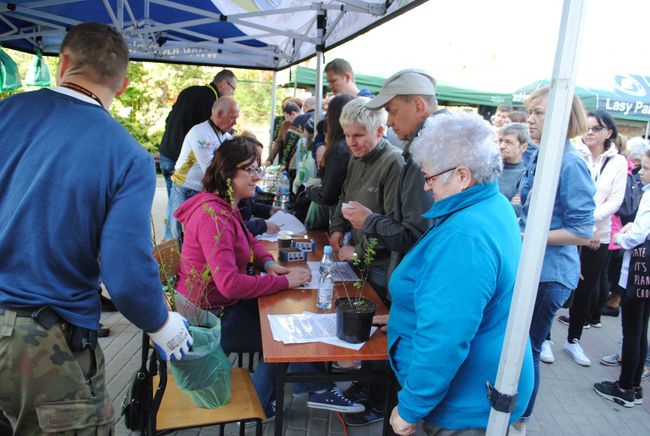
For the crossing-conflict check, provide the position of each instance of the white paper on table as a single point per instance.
(286, 222)
(339, 343)
(343, 272)
(309, 327)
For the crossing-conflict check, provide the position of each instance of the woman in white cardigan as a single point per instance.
(627, 389)
(609, 171)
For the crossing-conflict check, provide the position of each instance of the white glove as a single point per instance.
(172, 339)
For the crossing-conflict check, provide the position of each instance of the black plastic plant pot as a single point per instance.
(354, 319)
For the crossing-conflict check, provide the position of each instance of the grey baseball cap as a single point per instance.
(406, 82)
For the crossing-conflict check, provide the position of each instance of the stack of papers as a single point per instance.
(309, 327)
(286, 222)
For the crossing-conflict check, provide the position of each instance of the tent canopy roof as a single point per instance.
(306, 77)
(261, 34)
(625, 96)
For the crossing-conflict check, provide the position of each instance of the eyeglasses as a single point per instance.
(252, 170)
(231, 86)
(596, 129)
(430, 179)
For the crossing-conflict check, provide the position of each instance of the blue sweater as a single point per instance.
(75, 201)
(573, 211)
(451, 298)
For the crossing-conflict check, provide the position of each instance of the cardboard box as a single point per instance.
(306, 245)
(292, 255)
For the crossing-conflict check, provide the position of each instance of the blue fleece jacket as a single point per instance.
(75, 201)
(451, 297)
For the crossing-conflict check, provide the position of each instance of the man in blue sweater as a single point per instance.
(75, 198)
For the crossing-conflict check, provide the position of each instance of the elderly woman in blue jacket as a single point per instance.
(452, 292)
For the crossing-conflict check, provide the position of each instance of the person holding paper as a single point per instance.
(452, 291)
(220, 262)
(371, 180)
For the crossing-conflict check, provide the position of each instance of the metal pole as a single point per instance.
(273, 99)
(543, 198)
(321, 24)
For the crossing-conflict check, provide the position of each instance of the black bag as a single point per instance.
(638, 279)
(138, 398)
(631, 200)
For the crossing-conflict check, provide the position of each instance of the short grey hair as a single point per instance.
(518, 129)
(448, 140)
(356, 112)
(636, 147)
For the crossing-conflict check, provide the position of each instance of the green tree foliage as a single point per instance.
(153, 88)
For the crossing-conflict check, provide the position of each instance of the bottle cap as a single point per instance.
(327, 249)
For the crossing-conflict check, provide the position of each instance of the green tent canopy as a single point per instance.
(302, 77)
(625, 97)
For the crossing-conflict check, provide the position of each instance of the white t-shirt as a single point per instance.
(196, 154)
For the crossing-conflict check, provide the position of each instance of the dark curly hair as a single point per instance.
(235, 153)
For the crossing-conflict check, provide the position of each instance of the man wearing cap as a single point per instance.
(409, 97)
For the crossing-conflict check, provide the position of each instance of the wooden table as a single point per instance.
(298, 300)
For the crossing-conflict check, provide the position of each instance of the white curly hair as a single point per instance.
(448, 140)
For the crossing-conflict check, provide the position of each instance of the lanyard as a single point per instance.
(250, 267)
(212, 88)
(82, 90)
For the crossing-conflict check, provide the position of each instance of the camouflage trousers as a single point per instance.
(47, 389)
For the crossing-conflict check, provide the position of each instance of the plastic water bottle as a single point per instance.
(283, 190)
(326, 280)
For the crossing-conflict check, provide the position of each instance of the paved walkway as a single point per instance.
(566, 405)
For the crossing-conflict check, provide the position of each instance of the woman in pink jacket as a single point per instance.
(220, 266)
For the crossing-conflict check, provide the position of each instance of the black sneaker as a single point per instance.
(612, 391)
(363, 418)
(638, 395)
(358, 392)
(103, 332)
(610, 311)
(564, 319)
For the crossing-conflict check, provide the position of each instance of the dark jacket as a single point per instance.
(193, 106)
(400, 229)
(336, 168)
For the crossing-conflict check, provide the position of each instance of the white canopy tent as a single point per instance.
(275, 34)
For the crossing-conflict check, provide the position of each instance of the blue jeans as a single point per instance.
(178, 195)
(167, 169)
(240, 332)
(550, 297)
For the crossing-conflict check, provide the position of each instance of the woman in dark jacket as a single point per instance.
(334, 163)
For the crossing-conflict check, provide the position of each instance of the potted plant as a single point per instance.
(354, 313)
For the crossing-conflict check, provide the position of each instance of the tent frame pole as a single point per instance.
(542, 199)
(273, 100)
(321, 29)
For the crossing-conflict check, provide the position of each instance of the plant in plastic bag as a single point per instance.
(9, 76)
(38, 73)
(204, 373)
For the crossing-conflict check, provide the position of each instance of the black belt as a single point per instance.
(78, 338)
(43, 315)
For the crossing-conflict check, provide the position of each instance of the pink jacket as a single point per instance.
(216, 237)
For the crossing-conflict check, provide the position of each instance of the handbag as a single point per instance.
(138, 398)
(638, 280)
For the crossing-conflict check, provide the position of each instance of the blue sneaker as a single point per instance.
(334, 400)
(361, 419)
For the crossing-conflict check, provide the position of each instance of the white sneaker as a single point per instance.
(575, 351)
(546, 355)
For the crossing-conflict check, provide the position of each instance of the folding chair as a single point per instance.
(171, 408)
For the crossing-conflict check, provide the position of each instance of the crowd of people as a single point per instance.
(446, 195)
